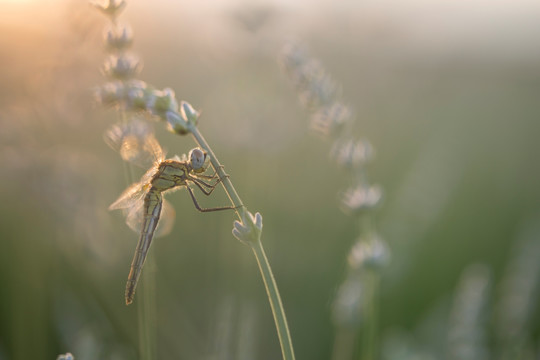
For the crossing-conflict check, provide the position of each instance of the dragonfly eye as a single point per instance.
(197, 157)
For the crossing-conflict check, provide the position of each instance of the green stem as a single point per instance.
(147, 311)
(344, 343)
(264, 266)
(225, 181)
(275, 302)
(369, 334)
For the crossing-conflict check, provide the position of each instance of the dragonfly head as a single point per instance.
(197, 160)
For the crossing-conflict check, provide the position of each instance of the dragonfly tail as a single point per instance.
(153, 204)
(130, 291)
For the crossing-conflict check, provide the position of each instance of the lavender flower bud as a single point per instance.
(188, 112)
(361, 198)
(371, 254)
(352, 154)
(121, 67)
(118, 37)
(331, 120)
(111, 8)
(163, 102)
(110, 93)
(177, 124)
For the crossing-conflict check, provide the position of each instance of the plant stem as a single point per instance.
(275, 302)
(225, 181)
(147, 311)
(264, 266)
(344, 343)
(369, 336)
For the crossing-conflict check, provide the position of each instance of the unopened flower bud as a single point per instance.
(352, 154)
(331, 120)
(111, 8)
(293, 56)
(361, 198)
(121, 67)
(110, 93)
(188, 112)
(136, 97)
(249, 230)
(163, 101)
(118, 37)
(371, 253)
(177, 124)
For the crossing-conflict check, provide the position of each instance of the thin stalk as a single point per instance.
(369, 348)
(264, 266)
(275, 302)
(344, 343)
(147, 311)
(225, 181)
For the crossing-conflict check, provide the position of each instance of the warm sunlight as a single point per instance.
(16, 2)
(31, 13)
(391, 147)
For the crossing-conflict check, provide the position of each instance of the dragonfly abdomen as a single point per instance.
(153, 203)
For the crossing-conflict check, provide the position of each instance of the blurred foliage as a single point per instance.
(451, 108)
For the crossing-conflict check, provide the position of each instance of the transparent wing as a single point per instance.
(135, 218)
(136, 143)
(131, 198)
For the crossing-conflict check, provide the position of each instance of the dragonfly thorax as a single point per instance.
(170, 174)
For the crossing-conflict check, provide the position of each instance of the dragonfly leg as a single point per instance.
(209, 177)
(201, 209)
(200, 184)
(215, 174)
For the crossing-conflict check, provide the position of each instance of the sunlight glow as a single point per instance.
(16, 1)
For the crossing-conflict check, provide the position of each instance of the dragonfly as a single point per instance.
(143, 201)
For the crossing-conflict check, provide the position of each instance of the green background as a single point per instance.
(447, 93)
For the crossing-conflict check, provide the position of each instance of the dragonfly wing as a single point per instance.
(130, 197)
(166, 221)
(135, 218)
(136, 143)
(152, 149)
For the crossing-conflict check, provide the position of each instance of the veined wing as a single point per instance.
(132, 203)
(136, 143)
(135, 218)
(132, 197)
